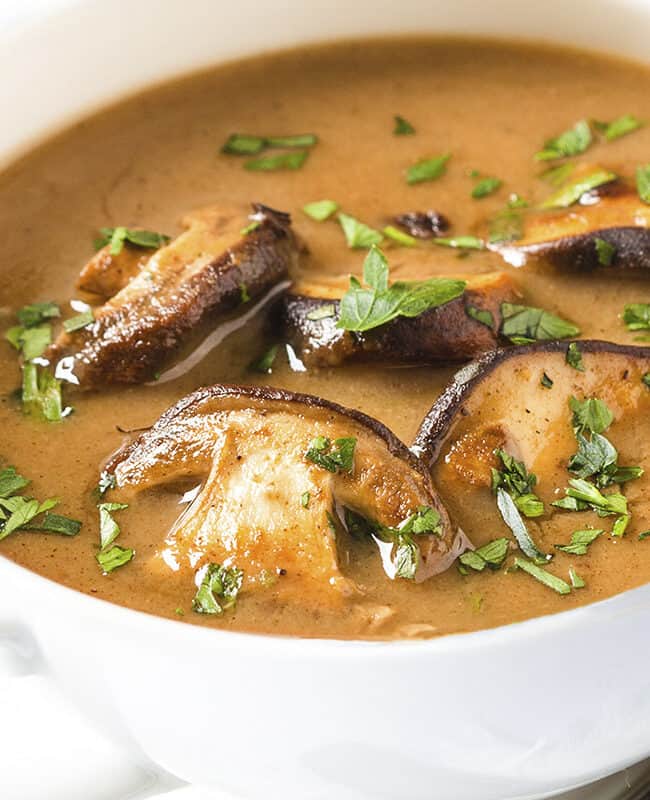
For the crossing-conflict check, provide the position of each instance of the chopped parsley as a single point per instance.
(41, 394)
(620, 525)
(582, 495)
(645, 379)
(571, 192)
(543, 576)
(34, 333)
(429, 169)
(405, 554)
(580, 541)
(618, 127)
(515, 479)
(605, 251)
(322, 311)
(336, 456)
(481, 315)
(320, 210)
(490, 555)
(110, 555)
(460, 242)
(293, 160)
(20, 512)
(243, 144)
(364, 308)
(244, 294)
(402, 127)
(252, 226)
(636, 316)
(570, 143)
(576, 581)
(507, 226)
(304, 499)
(574, 357)
(114, 557)
(79, 321)
(525, 324)
(644, 535)
(218, 590)
(546, 382)
(591, 414)
(486, 187)
(358, 235)
(643, 182)
(116, 237)
(512, 518)
(405, 239)
(556, 176)
(264, 363)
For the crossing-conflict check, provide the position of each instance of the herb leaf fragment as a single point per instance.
(569, 143)
(402, 127)
(218, 590)
(336, 456)
(429, 169)
(116, 238)
(364, 308)
(525, 324)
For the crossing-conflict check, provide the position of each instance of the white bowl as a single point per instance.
(521, 711)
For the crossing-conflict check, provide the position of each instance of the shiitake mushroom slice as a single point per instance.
(517, 400)
(215, 266)
(283, 476)
(608, 229)
(456, 331)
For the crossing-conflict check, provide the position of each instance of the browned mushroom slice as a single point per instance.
(456, 331)
(516, 400)
(281, 475)
(211, 268)
(107, 273)
(608, 228)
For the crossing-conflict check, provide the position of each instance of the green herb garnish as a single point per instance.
(34, 333)
(429, 169)
(605, 252)
(643, 182)
(219, 589)
(571, 192)
(591, 414)
(637, 316)
(491, 555)
(481, 315)
(486, 187)
(570, 143)
(114, 557)
(618, 127)
(402, 127)
(320, 210)
(304, 499)
(336, 456)
(364, 308)
(582, 495)
(543, 576)
(556, 176)
(574, 357)
(252, 226)
(580, 541)
(109, 530)
(460, 242)
(620, 525)
(525, 324)
(18, 512)
(512, 518)
(116, 237)
(78, 322)
(546, 382)
(358, 234)
(576, 581)
(280, 161)
(243, 144)
(399, 236)
(507, 226)
(515, 479)
(264, 364)
(41, 394)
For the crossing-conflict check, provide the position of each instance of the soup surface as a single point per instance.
(148, 161)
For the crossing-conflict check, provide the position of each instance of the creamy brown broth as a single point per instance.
(147, 161)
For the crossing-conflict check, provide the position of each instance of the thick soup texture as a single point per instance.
(149, 161)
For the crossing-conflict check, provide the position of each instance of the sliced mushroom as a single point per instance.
(210, 269)
(265, 506)
(500, 402)
(107, 273)
(568, 238)
(443, 334)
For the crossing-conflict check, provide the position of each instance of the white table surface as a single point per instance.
(49, 752)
